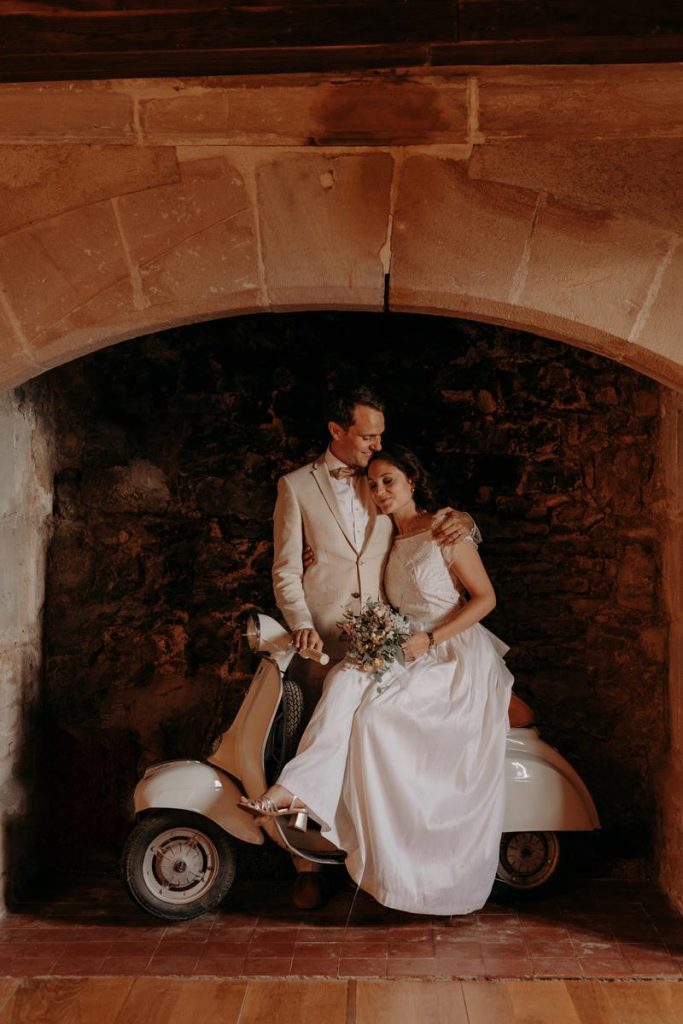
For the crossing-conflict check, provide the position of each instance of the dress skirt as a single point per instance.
(407, 778)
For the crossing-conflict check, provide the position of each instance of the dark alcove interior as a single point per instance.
(168, 450)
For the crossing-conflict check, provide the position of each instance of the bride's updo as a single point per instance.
(408, 463)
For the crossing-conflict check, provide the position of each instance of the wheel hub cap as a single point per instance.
(180, 865)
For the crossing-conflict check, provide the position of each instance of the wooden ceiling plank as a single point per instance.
(200, 63)
(286, 24)
(582, 50)
(548, 19)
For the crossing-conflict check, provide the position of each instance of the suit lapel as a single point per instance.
(321, 476)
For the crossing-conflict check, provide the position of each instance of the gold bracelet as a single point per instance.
(430, 637)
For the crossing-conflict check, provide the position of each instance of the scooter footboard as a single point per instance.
(195, 786)
(542, 790)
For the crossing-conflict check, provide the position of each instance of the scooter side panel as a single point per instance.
(241, 750)
(198, 787)
(543, 791)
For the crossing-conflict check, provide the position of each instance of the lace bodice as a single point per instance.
(417, 581)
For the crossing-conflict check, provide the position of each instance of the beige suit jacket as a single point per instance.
(307, 512)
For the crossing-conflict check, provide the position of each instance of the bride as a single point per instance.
(407, 778)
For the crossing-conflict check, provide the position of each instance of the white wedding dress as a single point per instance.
(409, 781)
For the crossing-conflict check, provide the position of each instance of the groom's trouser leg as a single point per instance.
(310, 676)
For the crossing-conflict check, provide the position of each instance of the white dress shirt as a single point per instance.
(351, 505)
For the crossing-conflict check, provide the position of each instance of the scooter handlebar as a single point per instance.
(313, 655)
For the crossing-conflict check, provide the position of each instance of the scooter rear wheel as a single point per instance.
(529, 865)
(178, 865)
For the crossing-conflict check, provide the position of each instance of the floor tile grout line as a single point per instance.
(351, 1000)
(133, 982)
(242, 1004)
(10, 995)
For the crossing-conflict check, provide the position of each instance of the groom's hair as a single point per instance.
(341, 406)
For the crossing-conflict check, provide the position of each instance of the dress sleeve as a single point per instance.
(448, 551)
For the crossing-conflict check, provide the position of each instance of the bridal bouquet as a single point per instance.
(375, 635)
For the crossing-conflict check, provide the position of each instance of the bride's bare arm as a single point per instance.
(467, 569)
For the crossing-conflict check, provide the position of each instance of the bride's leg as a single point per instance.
(317, 770)
(316, 774)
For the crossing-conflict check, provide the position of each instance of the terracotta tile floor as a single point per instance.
(596, 929)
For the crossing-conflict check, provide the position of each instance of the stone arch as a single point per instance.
(518, 201)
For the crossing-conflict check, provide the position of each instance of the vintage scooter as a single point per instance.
(179, 860)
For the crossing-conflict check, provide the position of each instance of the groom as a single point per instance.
(327, 506)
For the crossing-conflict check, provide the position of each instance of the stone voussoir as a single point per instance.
(324, 225)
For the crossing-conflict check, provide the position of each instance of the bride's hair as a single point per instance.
(408, 463)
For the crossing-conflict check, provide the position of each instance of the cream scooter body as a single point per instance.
(544, 795)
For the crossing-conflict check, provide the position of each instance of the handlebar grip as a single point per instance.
(313, 655)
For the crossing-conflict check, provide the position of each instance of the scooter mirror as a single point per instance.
(265, 634)
(252, 633)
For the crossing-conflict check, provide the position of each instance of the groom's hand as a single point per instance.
(454, 527)
(306, 640)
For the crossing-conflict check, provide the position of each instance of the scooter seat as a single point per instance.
(521, 716)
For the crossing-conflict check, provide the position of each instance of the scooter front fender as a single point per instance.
(542, 790)
(199, 787)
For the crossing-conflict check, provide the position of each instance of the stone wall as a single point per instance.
(168, 450)
(670, 778)
(25, 509)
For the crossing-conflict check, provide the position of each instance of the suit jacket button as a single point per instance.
(355, 595)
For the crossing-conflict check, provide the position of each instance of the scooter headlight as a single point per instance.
(253, 633)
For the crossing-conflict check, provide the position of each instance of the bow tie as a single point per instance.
(344, 472)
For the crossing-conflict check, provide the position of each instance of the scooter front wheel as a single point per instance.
(178, 865)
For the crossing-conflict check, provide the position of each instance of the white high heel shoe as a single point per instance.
(264, 808)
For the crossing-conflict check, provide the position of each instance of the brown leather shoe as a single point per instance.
(310, 891)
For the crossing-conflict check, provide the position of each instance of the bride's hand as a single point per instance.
(415, 646)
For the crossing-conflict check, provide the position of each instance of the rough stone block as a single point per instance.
(55, 268)
(15, 364)
(367, 113)
(619, 480)
(25, 461)
(591, 266)
(324, 223)
(194, 114)
(39, 182)
(663, 328)
(636, 584)
(581, 102)
(60, 111)
(104, 319)
(455, 242)
(22, 582)
(641, 177)
(140, 487)
(194, 241)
